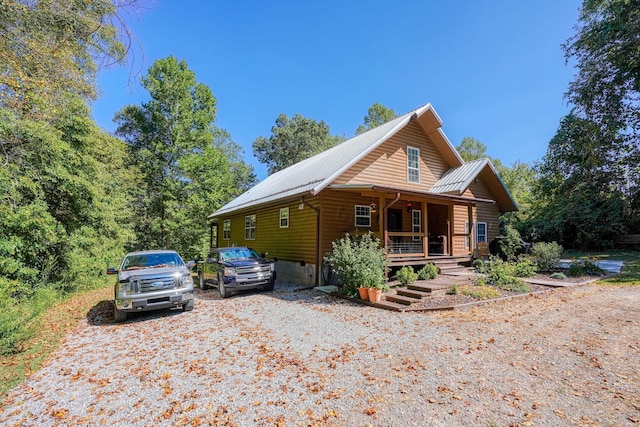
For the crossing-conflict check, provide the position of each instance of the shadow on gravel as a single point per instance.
(101, 314)
(283, 291)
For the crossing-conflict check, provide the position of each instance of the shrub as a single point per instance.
(584, 267)
(502, 275)
(406, 275)
(479, 265)
(359, 261)
(546, 255)
(511, 244)
(558, 276)
(525, 267)
(453, 290)
(428, 272)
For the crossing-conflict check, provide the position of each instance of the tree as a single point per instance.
(188, 166)
(605, 93)
(377, 115)
(293, 140)
(579, 192)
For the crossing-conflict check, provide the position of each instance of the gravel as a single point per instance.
(289, 358)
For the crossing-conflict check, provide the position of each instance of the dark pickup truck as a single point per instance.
(236, 268)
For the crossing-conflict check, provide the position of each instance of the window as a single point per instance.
(250, 227)
(413, 164)
(481, 232)
(416, 224)
(226, 229)
(363, 216)
(284, 218)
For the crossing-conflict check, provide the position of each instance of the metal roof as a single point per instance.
(457, 180)
(315, 173)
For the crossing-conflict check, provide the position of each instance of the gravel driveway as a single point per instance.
(286, 358)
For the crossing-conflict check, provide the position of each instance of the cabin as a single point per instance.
(402, 180)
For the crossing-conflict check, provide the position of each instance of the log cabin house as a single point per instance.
(402, 180)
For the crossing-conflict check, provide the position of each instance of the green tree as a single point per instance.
(377, 115)
(293, 140)
(605, 93)
(578, 195)
(189, 167)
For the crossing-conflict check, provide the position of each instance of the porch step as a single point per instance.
(390, 305)
(400, 299)
(430, 288)
(413, 293)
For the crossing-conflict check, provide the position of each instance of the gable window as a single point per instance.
(416, 224)
(226, 229)
(284, 218)
(413, 164)
(481, 232)
(250, 227)
(363, 216)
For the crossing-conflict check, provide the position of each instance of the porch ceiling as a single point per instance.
(390, 191)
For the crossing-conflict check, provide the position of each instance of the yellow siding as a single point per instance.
(387, 164)
(295, 243)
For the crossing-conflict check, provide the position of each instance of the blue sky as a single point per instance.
(493, 70)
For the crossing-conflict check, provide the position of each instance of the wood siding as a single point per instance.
(485, 212)
(295, 243)
(387, 164)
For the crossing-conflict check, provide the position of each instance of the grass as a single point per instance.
(630, 274)
(52, 326)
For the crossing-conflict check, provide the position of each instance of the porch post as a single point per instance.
(425, 231)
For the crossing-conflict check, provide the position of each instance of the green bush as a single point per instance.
(525, 267)
(359, 261)
(558, 276)
(582, 267)
(511, 243)
(428, 272)
(502, 275)
(479, 265)
(406, 275)
(546, 255)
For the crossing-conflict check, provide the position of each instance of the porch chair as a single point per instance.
(481, 251)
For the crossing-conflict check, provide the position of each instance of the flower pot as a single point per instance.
(375, 295)
(364, 293)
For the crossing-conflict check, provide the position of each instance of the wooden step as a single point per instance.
(413, 293)
(389, 305)
(431, 288)
(400, 299)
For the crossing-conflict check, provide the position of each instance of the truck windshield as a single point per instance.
(160, 260)
(238, 253)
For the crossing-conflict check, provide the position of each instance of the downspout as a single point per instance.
(304, 202)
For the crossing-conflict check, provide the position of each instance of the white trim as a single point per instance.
(226, 229)
(416, 228)
(364, 214)
(486, 232)
(284, 217)
(250, 227)
(410, 168)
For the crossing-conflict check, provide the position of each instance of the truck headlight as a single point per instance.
(229, 271)
(125, 287)
(186, 280)
(272, 267)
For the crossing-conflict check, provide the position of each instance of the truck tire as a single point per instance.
(188, 306)
(203, 284)
(222, 288)
(119, 315)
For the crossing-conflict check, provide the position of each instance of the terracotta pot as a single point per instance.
(375, 295)
(364, 293)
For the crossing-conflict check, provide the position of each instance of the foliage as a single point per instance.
(511, 243)
(502, 275)
(584, 266)
(558, 276)
(293, 140)
(546, 255)
(377, 115)
(480, 292)
(406, 275)
(454, 290)
(428, 271)
(478, 264)
(525, 267)
(359, 261)
(580, 198)
(52, 49)
(188, 167)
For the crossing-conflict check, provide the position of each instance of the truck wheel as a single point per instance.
(270, 286)
(188, 306)
(119, 315)
(203, 284)
(222, 288)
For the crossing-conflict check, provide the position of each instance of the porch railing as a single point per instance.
(402, 244)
